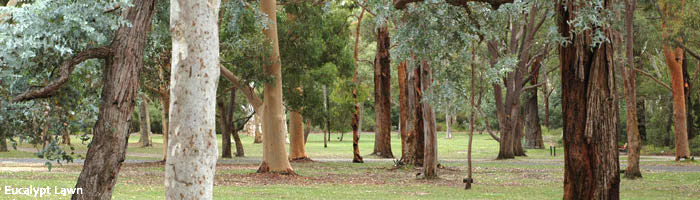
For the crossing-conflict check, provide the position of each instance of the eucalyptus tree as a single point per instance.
(123, 59)
(273, 118)
(590, 143)
(382, 81)
(633, 138)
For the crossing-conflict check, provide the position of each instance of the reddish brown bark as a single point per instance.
(382, 80)
(120, 88)
(588, 89)
(403, 104)
(533, 136)
(356, 158)
(633, 139)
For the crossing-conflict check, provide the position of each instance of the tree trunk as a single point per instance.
(688, 84)
(641, 119)
(416, 107)
(326, 119)
(468, 182)
(240, 152)
(164, 117)
(633, 140)
(448, 134)
(518, 140)
(227, 126)
(403, 112)
(145, 119)
(430, 154)
(382, 80)
(189, 171)
(307, 130)
(297, 150)
(588, 89)
(258, 129)
(120, 80)
(674, 60)
(533, 137)
(273, 117)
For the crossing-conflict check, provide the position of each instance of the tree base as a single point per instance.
(357, 159)
(632, 176)
(266, 169)
(302, 159)
(468, 183)
(382, 155)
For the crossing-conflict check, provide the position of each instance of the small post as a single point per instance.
(555, 151)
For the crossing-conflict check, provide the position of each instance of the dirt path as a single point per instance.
(248, 160)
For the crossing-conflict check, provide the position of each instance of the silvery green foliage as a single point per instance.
(592, 16)
(37, 37)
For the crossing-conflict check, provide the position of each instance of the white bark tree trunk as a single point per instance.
(190, 167)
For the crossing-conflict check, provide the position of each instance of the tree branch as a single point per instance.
(653, 78)
(66, 70)
(488, 129)
(248, 91)
(532, 87)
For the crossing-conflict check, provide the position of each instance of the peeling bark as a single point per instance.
(382, 80)
(588, 92)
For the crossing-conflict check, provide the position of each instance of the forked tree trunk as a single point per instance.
(518, 140)
(123, 62)
(297, 149)
(190, 168)
(430, 154)
(273, 117)
(226, 124)
(588, 89)
(633, 140)
(382, 80)
(240, 152)
(145, 120)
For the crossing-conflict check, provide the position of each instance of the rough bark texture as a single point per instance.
(120, 80)
(588, 93)
(414, 122)
(297, 149)
(273, 118)
(430, 154)
(357, 112)
(403, 112)
(145, 119)
(641, 119)
(382, 80)
(633, 140)
(533, 136)
(190, 167)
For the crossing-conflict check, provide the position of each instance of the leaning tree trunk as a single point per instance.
(190, 168)
(629, 76)
(382, 80)
(297, 149)
(124, 59)
(430, 154)
(588, 92)
(145, 119)
(273, 118)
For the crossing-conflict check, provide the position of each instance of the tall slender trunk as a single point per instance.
(164, 118)
(297, 149)
(403, 112)
(430, 155)
(382, 80)
(448, 134)
(123, 62)
(633, 140)
(273, 117)
(357, 112)
(468, 182)
(588, 109)
(327, 125)
(190, 168)
(145, 119)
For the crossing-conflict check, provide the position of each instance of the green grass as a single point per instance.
(511, 179)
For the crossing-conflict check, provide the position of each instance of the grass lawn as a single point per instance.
(538, 176)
